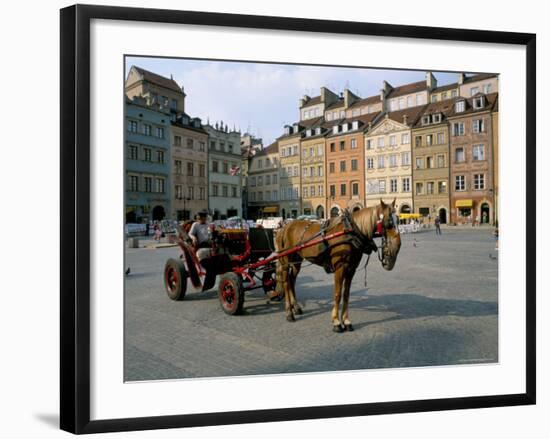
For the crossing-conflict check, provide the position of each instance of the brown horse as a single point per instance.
(340, 255)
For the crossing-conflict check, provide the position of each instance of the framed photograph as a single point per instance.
(273, 218)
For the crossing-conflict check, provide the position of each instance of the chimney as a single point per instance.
(431, 81)
(405, 117)
(349, 98)
(304, 100)
(328, 97)
(461, 78)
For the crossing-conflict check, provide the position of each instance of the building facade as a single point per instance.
(388, 159)
(148, 195)
(431, 166)
(470, 85)
(263, 183)
(289, 172)
(189, 167)
(313, 172)
(472, 169)
(224, 171)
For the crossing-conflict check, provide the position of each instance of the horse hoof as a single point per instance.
(337, 328)
(299, 311)
(290, 318)
(349, 327)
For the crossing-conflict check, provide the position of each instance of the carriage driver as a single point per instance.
(200, 236)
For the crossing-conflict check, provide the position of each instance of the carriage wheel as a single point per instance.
(175, 279)
(231, 293)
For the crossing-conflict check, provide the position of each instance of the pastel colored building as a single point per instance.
(147, 152)
(224, 171)
(263, 183)
(312, 148)
(289, 172)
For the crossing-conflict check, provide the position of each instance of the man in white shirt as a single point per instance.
(200, 236)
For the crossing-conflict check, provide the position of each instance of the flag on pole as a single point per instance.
(234, 170)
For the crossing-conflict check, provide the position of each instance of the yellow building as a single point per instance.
(313, 172)
(289, 172)
(388, 159)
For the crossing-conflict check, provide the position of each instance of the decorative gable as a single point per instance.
(387, 126)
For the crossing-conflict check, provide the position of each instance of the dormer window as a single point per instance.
(335, 129)
(308, 133)
(287, 130)
(478, 102)
(318, 130)
(460, 106)
(436, 118)
(345, 127)
(426, 120)
(355, 125)
(296, 128)
(329, 116)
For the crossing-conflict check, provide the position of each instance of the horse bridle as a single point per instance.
(387, 224)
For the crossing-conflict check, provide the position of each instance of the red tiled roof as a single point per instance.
(479, 77)
(313, 101)
(159, 80)
(406, 89)
(366, 101)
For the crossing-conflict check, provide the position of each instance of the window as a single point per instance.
(132, 126)
(332, 147)
(458, 129)
(342, 145)
(160, 185)
(179, 191)
(440, 138)
(147, 129)
(133, 152)
(342, 166)
(148, 184)
(353, 164)
(147, 154)
(222, 146)
(381, 161)
(160, 132)
(405, 159)
(253, 181)
(305, 192)
(190, 143)
(215, 190)
(260, 181)
(478, 102)
(393, 160)
(178, 167)
(418, 141)
(190, 168)
(295, 192)
(274, 179)
(134, 183)
(459, 155)
(253, 196)
(160, 156)
(478, 152)
(479, 181)
(430, 187)
(329, 116)
(440, 161)
(487, 88)
(419, 99)
(406, 183)
(234, 191)
(459, 106)
(442, 187)
(215, 166)
(405, 138)
(454, 93)
(434, 98)
(409, 101)
(370, 163)
(320, 190)
(312, 171)
(393, 141)
(368, 143)
(393, 185)
(174, 104)
(478, 126)
(274, 195)
(460, 183)
(419, 188)
(382, 186)
(212, 144)
(436, 118)
(419, 163)
(202, 146)
(294, 149)
(202, 170)
(225, 191)
(444, 95)
(225, 168)
(343, 189)
(202, 193)
(429, 162)
(401, 103)
(332, 190)
(177, 140)
(353, 144)
(474, 91)
(355, 189)
(267, 180)
(429, 139)
(426, 119)
(380, 142)
(320, 171)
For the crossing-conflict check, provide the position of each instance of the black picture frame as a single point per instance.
(75, 217)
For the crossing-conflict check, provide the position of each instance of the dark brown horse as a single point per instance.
(340, 255)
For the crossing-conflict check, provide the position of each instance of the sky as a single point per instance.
(261, 98)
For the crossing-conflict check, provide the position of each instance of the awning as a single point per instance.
(270, 209)
(464, 203)
(409, 215)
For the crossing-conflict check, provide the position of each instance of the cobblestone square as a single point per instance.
(439, 306)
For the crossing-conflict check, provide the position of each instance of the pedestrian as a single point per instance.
(437, 223)
(495, 234)
(158, 233)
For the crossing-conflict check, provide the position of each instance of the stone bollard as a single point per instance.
(133, 242)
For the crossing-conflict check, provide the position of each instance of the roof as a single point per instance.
(339, 103)
(406, 89)
(413, 114)
(445, 107)
(270, 149)
(365, 119)
(157, 79)
(189, 127)
(366, 101)
(313, 101)
(308, 123)
(445, 87)
(490, 100)
(479, 77)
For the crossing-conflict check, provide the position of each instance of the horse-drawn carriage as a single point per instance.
(238, 256)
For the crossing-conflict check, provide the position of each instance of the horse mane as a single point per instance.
(366, 219)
